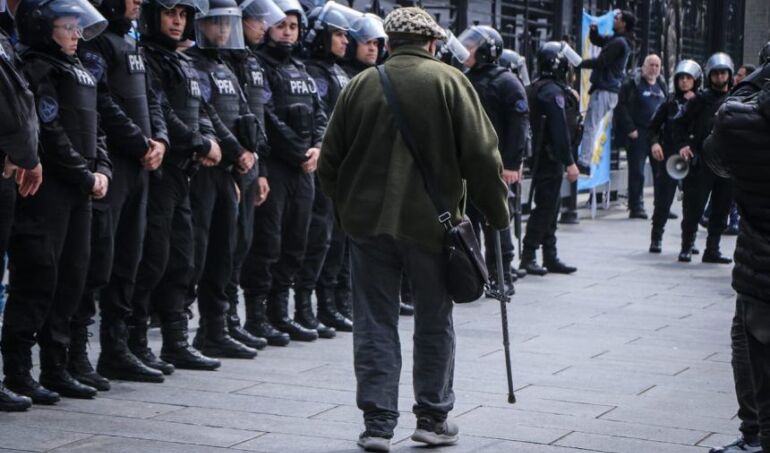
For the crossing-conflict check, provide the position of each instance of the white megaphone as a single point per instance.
(677, 167)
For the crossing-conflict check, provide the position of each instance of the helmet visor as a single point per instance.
(572, 57)
(200, 6)
(266, 10)
(458, 50)
(472, 38)
(338, 16)
(75, 16)
(220, 29)
(523, 72)
(368, 27)
(3, 6)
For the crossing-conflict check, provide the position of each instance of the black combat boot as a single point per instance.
(78, 364)
(11, 402)
(54, 375)
(529, 262)
(554, 265)
(656, 241)
(712, 253)
(18, 379)
(328, 313)
(303, 315)
(240, 334)
(258, 325)
(213, 340)
(685, 255)
(137, 343)
(278, 313)
(116, 360)
(177, 351)
(344, 301)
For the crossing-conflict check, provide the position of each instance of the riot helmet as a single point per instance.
(720, 61)
(764, 54)
(221, 27)
(149, 21)
(38, 19)
(554, 59)
(323, 21)
(264, 10)
(452, 47)
(289, 7)
(510, 59)
(368, 27)
(690, 68)
(485, 40)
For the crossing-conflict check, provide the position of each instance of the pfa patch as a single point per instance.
(322, 86)
(560, 101)
(47, 109)
(522, 106)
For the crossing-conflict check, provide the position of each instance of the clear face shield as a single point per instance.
(200, 6)
(75, 16)
(367, 28)
(221, 28)
(3, 6)
(572, 57)
(338, 17)
(471, 39)
(523, 72)
(456, 48)
(265, 10)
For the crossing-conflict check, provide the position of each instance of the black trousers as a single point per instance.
(167, 265)
(7, 205)
(49, 252)
(541, 226)
(637, 153)
(244, 235)
(742, 374)
(506, 241)
(117, 233)
(698, 184)
(335, 273)
(214, 203)
(318, 242)
(280, 232)
(665, 191)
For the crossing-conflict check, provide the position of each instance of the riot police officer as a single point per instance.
(213, 192)
(167, 264)
(551, 107)
(326, 43)
(505, 102)
(692, 128)
(511, 60)
(49, 247)
(687, 80)
(295, 124)
(135, 128)
(367, 44)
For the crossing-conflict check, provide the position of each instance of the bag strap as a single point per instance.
(444, 217)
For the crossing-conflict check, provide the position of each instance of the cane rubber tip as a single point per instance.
(511, 399)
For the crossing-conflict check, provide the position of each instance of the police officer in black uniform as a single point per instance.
(691, 130)
(326, 43)
(505, 103)
(295, 124)
(214, 191)
(257, 16)
(133, 122)
(687, 80)
(511, 60)
(166, 269)
(551, 114)
(50, 249)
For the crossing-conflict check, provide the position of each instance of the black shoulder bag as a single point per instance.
(466, 271)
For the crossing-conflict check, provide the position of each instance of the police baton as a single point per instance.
(500, 295)
(536, 159)
(517, 212)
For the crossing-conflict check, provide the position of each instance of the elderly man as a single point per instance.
(381, 201)
(639, 98)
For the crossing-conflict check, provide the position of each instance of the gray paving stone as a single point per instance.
(17, 436)
(616, 444)
(110, 444)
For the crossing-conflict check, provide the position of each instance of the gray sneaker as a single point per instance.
(740, 445)
(435, 433)
(372, 442)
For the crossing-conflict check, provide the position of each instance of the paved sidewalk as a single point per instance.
(630, 354)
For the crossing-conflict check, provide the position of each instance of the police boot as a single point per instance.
(137, 343)
(18, 379)
(344, 301)
(712, 253)
(278, 313)
(554, 265)
(303, 315)
(239, 333)
(257, 324)
(685, 254)
(54, 375)
(11, 402)
(529, 262)
(656, 241)
(177, 351)
(78, 364)
(327, 311)
(213, 340)
(116, 360)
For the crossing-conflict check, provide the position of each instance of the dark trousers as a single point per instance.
(244, 235)
(335, 273)
(318, 242)
(7, 205)
(742, 374)
(280, 232)
(49, 251)
(541, 226)
(665, 191)
(698, 184)
(506, 241)
(167, 265)
(637, 153)
(377, 265)
(117, 233)
(755, 315)
(214, 204)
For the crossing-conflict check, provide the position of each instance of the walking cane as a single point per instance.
(504, 299)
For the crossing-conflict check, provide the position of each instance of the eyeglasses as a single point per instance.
(73, 29)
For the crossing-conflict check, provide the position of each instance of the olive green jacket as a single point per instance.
(368, 172)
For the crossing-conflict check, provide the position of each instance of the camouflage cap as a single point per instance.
(413, 21)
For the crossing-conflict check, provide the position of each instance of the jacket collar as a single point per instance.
(415, 51)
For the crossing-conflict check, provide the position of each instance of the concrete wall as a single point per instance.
(757, 28)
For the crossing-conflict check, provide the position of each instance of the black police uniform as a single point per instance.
(50, 244)
(692, 128)
(167, 266)
(505, 102)
(214, 203)
(294, 123)
(553, 100)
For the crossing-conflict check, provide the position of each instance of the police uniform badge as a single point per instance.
(47, 109)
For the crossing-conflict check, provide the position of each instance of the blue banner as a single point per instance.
(600, 155)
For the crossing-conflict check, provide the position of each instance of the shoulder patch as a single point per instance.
(322, 85)
(95, 64)
(559, 101)
(47, 109)
(522, 106)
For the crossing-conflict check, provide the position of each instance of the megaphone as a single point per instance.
(677, 167)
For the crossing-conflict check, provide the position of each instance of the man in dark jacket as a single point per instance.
(639, 98)
(607, 76)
